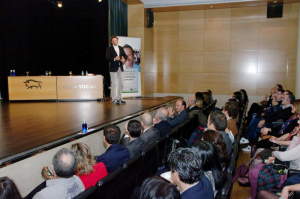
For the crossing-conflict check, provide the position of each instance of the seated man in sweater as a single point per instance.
(115, 155)
(161, 123)
(135, 145)
(65, 184)
(187, 173)
(180, 115)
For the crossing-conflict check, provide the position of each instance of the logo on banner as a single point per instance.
(31, 83)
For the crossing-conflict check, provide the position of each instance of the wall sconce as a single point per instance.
(59, 4)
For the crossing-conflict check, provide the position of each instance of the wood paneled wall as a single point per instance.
(221, 49)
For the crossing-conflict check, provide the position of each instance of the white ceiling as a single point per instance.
(167, 3)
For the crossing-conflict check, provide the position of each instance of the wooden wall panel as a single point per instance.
(222, 49)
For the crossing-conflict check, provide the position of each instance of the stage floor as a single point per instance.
(28, 127)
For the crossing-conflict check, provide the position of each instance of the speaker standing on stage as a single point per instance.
(116, 57)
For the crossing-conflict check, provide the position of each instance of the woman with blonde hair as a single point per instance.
(87, 169)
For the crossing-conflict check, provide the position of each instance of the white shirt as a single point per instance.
(117, 50)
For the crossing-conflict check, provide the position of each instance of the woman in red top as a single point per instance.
(87, 170)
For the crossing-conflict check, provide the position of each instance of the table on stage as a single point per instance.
(55, 87)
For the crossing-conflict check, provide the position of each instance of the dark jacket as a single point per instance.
(164, 128)
(135, 147)
(150, 136)
(181, 117)
(202, 190)
(110, 55)
(114, 157)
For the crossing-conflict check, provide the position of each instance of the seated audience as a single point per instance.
(180, 115)
(87, 169)
(150, 134)
(187, 173)
(160, 122)
(115, 155)
(158, 188)
(283, 195)
(65, 184)
(217, 122)
(135, 145)
(8, 189)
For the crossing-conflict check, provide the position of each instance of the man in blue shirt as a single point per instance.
(115, 155)
(187, 174)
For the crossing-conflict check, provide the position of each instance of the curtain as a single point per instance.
(117, 18)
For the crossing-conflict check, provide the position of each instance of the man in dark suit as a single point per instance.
(181, 113)
(116, 155)
(135, 145)
(150, 134)
(116, 57)
(161, 123)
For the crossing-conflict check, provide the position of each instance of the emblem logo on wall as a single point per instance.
(31, 83)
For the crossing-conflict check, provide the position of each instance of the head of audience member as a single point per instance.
(217, 140)
(160, 115)
(191, 100)
(146, 120)
(231, 109)
(134, 128)
(114, 40)
(217, 121)
(207, 98)
(199, 96)
(130, 55)
(84, 158)
(112, 135)
(186, 167)
(64, 163)
(288, 98)
(158, 188)
(210, 158)
(180, 105)
(279, 87)
(8, 189)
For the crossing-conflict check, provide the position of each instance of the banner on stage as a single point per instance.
(131, 76)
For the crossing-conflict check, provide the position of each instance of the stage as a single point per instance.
(31, 127)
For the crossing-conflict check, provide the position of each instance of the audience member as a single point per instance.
(187, 173)
(115, 155)
(180, 115)
(150, 133)
(217, 122)
(231, 111)
(217, 140)
(66, 184)
(135, 145)
(158, 188)
(211, 165)
(8, 189)
(161, 123)
(87, 169)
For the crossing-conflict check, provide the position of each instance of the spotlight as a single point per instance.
(59, 4)
(99, 1)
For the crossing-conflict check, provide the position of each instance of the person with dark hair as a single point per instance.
(217, 140)
(211, 164)
(187, 173)
(116, 56)
(180, 115)
(217, 121)
(231, 111)
(65, 184)
(115, 155)
(158, 188)
(8, 189)
(135, 145)
(129, 63)
(87, 169)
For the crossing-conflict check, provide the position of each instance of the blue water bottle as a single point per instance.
(84, 127)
